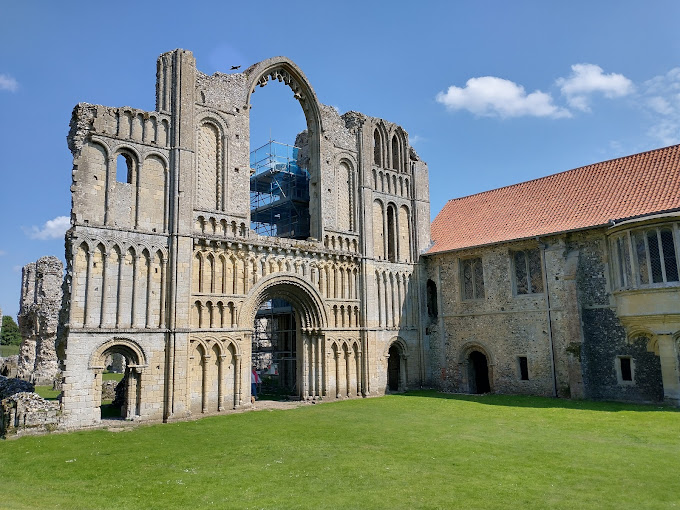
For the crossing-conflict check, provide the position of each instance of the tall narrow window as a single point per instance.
(528, 273)
(391, 245)
(669, 258)
(431, 299)
(124, 168)
(523, 368)
(472, 274)
(395, 152)
(656, 256)
(377, 152)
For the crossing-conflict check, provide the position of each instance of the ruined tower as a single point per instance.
(38, 319)
(167, 263)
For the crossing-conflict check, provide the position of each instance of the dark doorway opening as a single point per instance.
(393, 368)
(478, 373)
(274, 354)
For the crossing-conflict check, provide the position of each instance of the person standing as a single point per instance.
(254, 381)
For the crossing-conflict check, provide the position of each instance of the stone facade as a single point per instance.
(587, 325)
(38, 319)
(163, 268)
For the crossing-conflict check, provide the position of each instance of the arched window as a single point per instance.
(125, 168)
(377, 149)
(391, 244)
(395, 153)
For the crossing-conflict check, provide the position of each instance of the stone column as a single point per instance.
(402, 372)
(220, 383)
(319, 367)
(134, 320)
(312, 365)
(162, 291)
(89, 289)
(149, 267)
(668, 354)
(204, 385)
(238, 394)
(304, 390)
(102, 313)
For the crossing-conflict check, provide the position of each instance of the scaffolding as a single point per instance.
(279, 192)
(274, 347)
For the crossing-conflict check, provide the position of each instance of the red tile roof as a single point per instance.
(589, 196)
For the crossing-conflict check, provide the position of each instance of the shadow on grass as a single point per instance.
(542, 402)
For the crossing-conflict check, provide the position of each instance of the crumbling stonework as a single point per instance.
(22, 410)
(40, 303)
(164, 269)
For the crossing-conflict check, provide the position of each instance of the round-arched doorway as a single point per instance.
(478, 373)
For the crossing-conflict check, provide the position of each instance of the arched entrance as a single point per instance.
(393, 368)
(118, 395)
(396, 365)
(478, 373)
(306, 326)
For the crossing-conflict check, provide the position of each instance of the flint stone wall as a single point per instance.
(40, 304)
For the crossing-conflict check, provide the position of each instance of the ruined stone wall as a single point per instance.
(163, 269)
(40, 304)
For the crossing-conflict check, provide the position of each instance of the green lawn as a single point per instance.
(111, 376)
(421, 450)
(9, 350)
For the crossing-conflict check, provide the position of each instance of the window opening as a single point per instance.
(279, 192)
(432, 309)
(528, 272)
(274, 353)
(523, 368)
(377, 153)
(670, 261)
(395, 153)
(391, 248)
(473, 279)
(124, 168)
(626, 369)
(656, 256)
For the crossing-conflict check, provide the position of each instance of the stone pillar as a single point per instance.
(238, 396)
(204, 384)
(221, 383)
(149, 268)
(102, 313)
(304, 387)
(668, 354)
(89, 292)
(163, 290)
(134, 320)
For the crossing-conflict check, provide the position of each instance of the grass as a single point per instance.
(420, 450)
(9, 350)
(112, 376)
(47, 392)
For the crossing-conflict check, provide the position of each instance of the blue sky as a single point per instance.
(491, 92)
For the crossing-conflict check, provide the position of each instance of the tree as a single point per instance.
(10, 334)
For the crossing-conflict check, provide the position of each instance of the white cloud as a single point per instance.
(415, 139)
(660, 97)
(490, 96)
(587, 79)
(8, 83)
(52, 229)
(2, 252)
